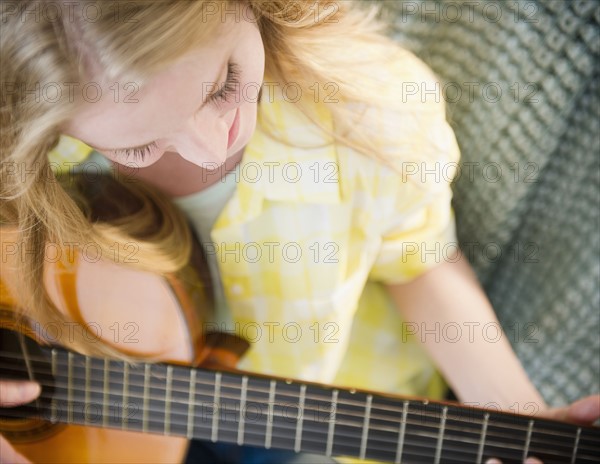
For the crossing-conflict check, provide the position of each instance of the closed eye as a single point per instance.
(232, 83)
(230, 86)
(137, 153)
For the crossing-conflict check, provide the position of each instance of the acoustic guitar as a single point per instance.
(95, 409)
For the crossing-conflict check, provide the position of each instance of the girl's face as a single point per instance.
(202, 108)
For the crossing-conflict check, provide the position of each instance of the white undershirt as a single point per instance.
(203, 209)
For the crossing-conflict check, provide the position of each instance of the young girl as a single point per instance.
(312, 157)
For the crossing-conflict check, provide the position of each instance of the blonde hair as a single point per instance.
(305, 42)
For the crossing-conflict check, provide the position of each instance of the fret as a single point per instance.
(53, 413)
(527, 440)
(440, 440)
(125, 395)
(87, 405)
(268, 435)
(334, 399)
(486, 418)
(365, 428)
(26, 356)
(27, 363)
(512, 430)
(146, 397)
(180, 402)
(240, 437)
(300, 419)
(105, 390)
(191, 403)
(167, 429)
(69, 387)
(588, 448)
(576, 445)
(217, 405)
(401, 433)
(348, 420)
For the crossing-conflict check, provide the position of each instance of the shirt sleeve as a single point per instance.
(418, 230)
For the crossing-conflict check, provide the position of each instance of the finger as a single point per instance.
(527, 461)
(9, 455)
(561, 413)
(14, 393)
(583, 411)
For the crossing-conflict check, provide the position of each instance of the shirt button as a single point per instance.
(236, 289)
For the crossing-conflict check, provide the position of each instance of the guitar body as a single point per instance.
(143, 315)
(77, 444)
(42, 441)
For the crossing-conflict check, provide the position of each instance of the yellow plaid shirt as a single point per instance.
(310, 235)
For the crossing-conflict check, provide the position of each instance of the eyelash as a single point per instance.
(231, 83)
(137, 153)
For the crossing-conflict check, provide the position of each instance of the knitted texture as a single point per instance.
(527, 195)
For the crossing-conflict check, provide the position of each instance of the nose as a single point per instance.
(204, 138)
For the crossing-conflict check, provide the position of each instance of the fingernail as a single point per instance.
(29, 390)
(585, 409)
(533, 461)
(493, 461)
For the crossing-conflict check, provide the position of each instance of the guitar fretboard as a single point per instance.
(263, 412)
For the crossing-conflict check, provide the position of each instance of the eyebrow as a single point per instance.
(202, 105)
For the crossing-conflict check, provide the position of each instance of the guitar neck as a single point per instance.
(266, 412)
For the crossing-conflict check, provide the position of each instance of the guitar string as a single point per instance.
(501, 445)
(306, 417)
(359, 405)
(499, 453)
(355, 425)
(185, 379)
(288, 423)
(310, 425)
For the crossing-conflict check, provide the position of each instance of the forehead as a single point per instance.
(133, 114)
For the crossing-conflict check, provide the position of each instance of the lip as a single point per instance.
(234, 129)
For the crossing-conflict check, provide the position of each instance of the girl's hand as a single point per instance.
(13, 393)
(584, 411)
